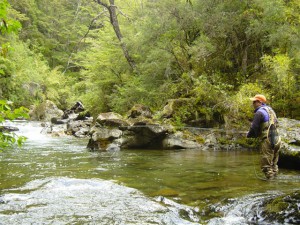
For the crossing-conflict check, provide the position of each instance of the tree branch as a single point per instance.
(82, 38)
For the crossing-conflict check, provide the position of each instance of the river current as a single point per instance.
(56, 180)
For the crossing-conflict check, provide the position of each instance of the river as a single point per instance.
(56, 180)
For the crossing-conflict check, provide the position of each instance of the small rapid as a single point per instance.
(80, 201)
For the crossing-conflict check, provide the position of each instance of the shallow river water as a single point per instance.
(56, 180)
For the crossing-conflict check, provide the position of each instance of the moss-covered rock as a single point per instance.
(289, 130)
(283, 209)
(45, 111)
(289, 157)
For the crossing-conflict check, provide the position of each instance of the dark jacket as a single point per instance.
(261, 116)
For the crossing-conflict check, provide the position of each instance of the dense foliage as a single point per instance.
(7, 26)
(112, 54)
(7, 113)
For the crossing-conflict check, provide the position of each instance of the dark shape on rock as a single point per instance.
(8, 129)
(54, 120)
(143, 135)
(76, 108)
(83, 116)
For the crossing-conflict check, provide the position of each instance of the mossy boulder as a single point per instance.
(289, 130)
(45, 111)
(111, 119)
(283, 209)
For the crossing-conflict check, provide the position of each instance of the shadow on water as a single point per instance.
(58, 179)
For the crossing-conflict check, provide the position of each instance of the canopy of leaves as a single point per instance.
(208, 51)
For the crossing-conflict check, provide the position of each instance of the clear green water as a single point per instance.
(189, 177)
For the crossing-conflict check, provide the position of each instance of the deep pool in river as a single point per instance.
(56, 180)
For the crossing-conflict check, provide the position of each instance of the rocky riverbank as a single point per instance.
(141, 130)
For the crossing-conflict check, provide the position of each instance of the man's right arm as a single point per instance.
(254, 131)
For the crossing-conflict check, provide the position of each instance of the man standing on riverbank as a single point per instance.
(264, 127)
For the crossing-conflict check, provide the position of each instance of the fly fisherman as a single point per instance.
(264, 127)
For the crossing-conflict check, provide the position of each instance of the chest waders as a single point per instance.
(270, 144)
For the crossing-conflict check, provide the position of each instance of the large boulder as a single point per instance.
(111, 119)
(8, 129)
(177, 141)
(138, 132)
(111, 131)
(102, 138)
(77, 112)
(78, 128)
(144, 135)
(45, 111)
(106, 131)
(289, 130)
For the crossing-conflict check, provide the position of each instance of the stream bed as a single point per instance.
(56, 180)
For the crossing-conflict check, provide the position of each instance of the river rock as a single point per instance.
(137, 132)
(105, 131)
(289, 130)
(78, 128)
(73, 112)
(45, 111)
(56, 130)
(101, 137)
(176, 141)
(57, 121)
(111, 119)
(113, 147)
(283, 209)
(143, 135)
(8, 128)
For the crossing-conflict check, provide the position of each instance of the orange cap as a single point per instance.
(260, 98)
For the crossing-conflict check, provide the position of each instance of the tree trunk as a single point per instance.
(115, 23)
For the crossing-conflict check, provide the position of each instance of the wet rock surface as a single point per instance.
(264, 208)
(289, 130)
(283, 209)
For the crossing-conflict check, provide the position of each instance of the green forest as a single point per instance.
(112, 54)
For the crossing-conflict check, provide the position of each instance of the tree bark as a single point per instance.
(115, 23)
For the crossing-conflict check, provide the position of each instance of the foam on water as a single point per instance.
(38, 138)
(32, 131)
(94, 201)
(243, 211)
